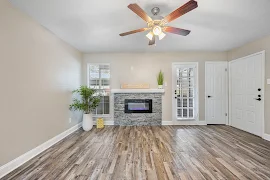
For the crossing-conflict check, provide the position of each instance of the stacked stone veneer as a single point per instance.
(137, 119)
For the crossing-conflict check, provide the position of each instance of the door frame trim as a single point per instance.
(227, 87)
(192, 121)
(263, 87)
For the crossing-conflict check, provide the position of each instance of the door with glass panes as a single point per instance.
(184, 88)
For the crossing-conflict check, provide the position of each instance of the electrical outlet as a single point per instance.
(268, 81)
(70, 120)
(165, 84)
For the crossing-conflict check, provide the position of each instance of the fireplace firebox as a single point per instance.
(138, 105)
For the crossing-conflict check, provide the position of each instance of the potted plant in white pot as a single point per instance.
(86, 104)
(160, 79)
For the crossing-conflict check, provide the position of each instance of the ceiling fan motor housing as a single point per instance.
(155, 11)
(156, 18)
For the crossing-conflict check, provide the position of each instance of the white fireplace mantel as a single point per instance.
(113, 91)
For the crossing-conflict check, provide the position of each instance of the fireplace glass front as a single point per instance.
(138, 105)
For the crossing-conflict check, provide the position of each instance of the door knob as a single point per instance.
(259, 99)
(259, 89)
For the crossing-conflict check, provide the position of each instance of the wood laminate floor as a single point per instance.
(158, 153)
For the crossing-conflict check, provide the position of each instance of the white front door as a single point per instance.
(216, 91)
(185, 93)
(247, 93)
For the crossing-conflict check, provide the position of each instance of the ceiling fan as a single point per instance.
(157, 24)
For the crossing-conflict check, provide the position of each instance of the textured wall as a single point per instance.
(137, 119)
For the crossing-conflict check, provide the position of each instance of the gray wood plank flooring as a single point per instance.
(158, 153)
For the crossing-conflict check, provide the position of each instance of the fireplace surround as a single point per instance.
(120, 99)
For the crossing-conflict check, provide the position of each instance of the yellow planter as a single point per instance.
(100, 123)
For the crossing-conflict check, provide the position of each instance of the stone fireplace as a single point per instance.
(137, 107)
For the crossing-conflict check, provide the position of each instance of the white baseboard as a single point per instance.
(266, 137)
(164, 123)
(188, 123)
(12, 165)
(107, 123)
(167, 123)
(201, 123)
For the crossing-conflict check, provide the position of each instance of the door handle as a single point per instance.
(259, 99)
(209, 96)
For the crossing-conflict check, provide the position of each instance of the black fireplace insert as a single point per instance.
(138, 105)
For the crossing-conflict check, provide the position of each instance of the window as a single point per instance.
(99, 79)
(186, 92)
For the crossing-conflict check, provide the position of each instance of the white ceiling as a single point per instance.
(94, 25)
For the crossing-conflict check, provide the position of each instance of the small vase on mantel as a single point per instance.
(160, 79)
(160, 86)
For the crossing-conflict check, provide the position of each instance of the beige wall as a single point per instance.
(37, 73)
(145, 69)
(256, 46)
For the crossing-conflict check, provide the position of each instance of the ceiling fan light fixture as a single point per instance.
(150, 35)
(157, 30)
(156, 24)
(161, 35)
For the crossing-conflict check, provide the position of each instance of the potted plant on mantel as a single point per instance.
(160, 79)
(86, 104)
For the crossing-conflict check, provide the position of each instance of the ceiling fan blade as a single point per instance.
(178, 31)
(134, 31)
(189, 6)
(152, 42)
(139, 11)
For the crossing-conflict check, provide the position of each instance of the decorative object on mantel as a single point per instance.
(100, 123)
(135, 86)
(160, 79)
(87, 104)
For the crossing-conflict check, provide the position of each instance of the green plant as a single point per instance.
(88, 102)
(160, 78)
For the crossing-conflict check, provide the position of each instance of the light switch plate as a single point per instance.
(268, 81)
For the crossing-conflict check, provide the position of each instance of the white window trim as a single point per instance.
(88, 85)
(196, 93)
